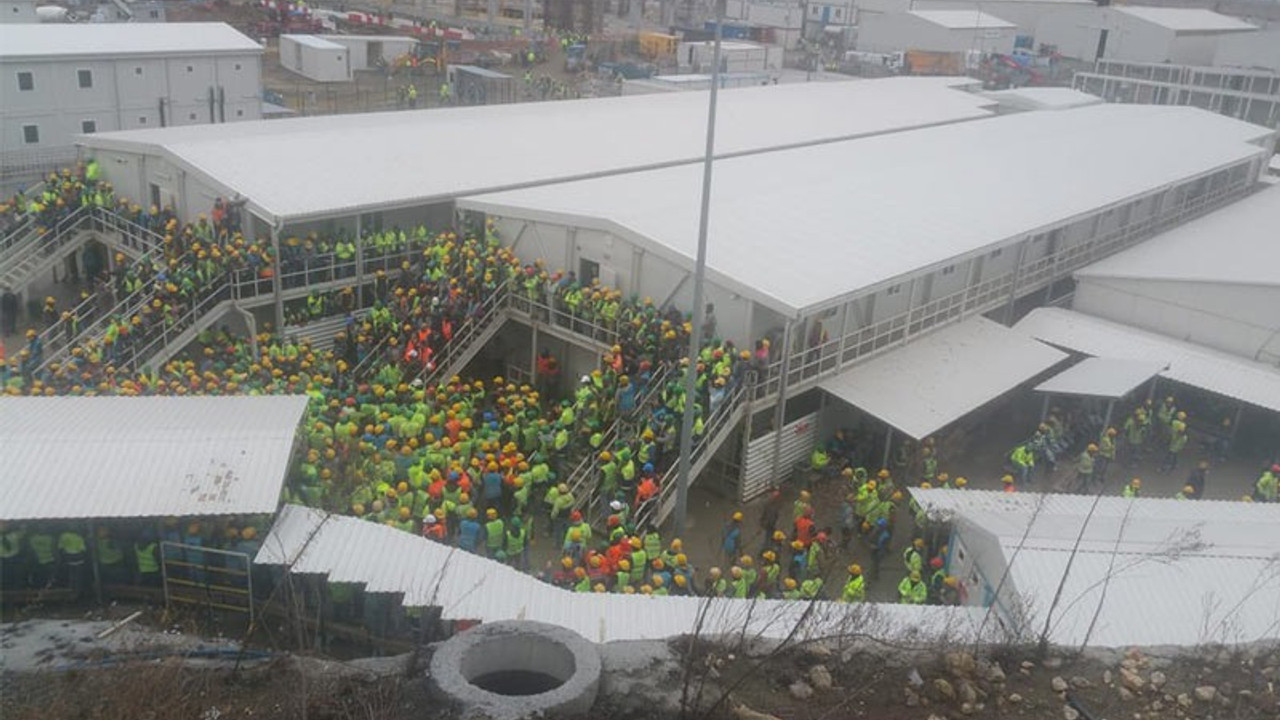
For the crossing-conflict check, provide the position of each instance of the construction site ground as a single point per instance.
(64, 669)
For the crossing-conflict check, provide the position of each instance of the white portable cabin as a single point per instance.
(366, 51)
(315, 58)
(1186, 36)
(735, 57)
(936, 31)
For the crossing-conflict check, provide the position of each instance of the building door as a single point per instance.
(588, 271)
(373, 53)
(155, 195)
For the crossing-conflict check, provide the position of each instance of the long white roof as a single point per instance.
(809, 227)
(1101, 377)
(54, 40)
(327, 166)
(126, 457)
(1234, 245)
(937, 379)
(470, 587)
(1187, 20)
(962, 19)
(1195, 365)
(1155, 571)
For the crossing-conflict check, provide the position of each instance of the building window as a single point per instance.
(88, 127)
(142, 119)
(137, 70)
(26, 81)
(948, 270)
(239, 113)
(85, 78)
(192, 116)
(153, 14)
(894, 290)
(237, 66)
(190, 69)
(997, 252)
(31, 134)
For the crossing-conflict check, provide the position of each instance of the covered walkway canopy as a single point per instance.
(132, 457)
(931, 382)
(1102, 377)
(1190, 364)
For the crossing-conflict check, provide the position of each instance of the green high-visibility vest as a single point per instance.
(494, 531)
(42, 546)
(71, 543)
(109, 553)
(145, 554)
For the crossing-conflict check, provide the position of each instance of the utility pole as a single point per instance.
(699, 281)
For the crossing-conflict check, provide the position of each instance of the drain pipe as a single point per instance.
(277, 282)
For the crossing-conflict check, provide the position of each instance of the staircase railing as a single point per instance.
(713, 434)
(541, 311)
(579, 478)
(171, 332)
(471, 328)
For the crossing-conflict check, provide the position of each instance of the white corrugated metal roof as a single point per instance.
(1150, 601)
(125, 39)
(1155, 571)
(390, 159)
(1187, 19)
(1101, 377)
(810, 227)
(120, 457)
(314, 41)
(1233, 245)
(962, 19)
(470, 587)
(937, 379)
(1043, 98)
(1229, 529)
(1213, 370)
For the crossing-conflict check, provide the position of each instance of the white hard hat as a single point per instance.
(585, 379)
(431, 519)
(616, 505)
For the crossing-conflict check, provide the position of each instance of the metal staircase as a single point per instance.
(36, 252)
(468, 339)
(584, 471)
(157, 350)
(720, 427)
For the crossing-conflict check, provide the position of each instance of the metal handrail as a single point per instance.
(710, 430)
(60, 234)
(578, 477)
(221, 292)
(125, 308)
(562, 319)
(24, 231)
(492, 306)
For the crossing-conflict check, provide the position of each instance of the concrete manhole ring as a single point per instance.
(517, 669)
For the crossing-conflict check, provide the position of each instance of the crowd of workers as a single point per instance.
(1151, 431)
(488, 465)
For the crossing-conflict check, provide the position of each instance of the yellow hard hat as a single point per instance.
(855, 569)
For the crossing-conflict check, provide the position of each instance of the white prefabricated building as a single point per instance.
(1253, 51)
(1212, 281)
(735, 57)
(1026, 14)
(367, 52)
(1187, 36)
(1114, 572)
(936, 31)
(840, 269)
(315, 58)
(62, 80)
